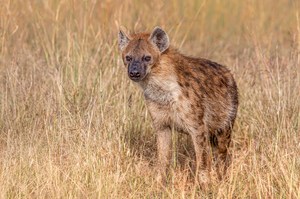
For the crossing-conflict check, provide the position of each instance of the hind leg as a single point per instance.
(221, 155)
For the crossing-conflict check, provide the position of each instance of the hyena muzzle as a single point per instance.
(194, 95)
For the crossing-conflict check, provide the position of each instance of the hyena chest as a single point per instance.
(168, 106)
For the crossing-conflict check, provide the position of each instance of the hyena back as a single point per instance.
(194, 95)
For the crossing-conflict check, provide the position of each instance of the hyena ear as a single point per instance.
(123, 40)
(160, 38)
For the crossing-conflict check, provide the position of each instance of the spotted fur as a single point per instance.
(194, 95)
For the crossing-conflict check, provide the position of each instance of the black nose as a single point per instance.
(134, 73)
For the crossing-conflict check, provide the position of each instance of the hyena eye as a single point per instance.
(147, 58)
(128, 58)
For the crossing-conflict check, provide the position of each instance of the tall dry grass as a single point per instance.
(73, 126)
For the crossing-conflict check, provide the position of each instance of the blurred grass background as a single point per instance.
(73, 126)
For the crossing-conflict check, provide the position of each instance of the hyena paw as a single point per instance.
(161, 177)
(204, 179)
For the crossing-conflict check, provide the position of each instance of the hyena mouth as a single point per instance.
(137, 79)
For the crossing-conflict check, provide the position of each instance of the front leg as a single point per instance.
(164, 138)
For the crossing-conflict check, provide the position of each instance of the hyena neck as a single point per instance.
(161, 85)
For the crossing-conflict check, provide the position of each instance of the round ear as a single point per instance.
(123, 40)
(160, 39)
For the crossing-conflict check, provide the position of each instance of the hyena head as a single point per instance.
(142, 51)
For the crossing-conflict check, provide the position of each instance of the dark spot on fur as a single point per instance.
(228, 136)
(223, 82)
(187, 94)
(220, 132)
(193, 107)
(180, 84)
(186, 73)
(213, 140)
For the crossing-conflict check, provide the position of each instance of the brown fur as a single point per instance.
(194, 95)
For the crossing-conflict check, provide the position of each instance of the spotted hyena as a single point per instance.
(192, 95)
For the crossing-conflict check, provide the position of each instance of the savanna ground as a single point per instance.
(73, 126)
